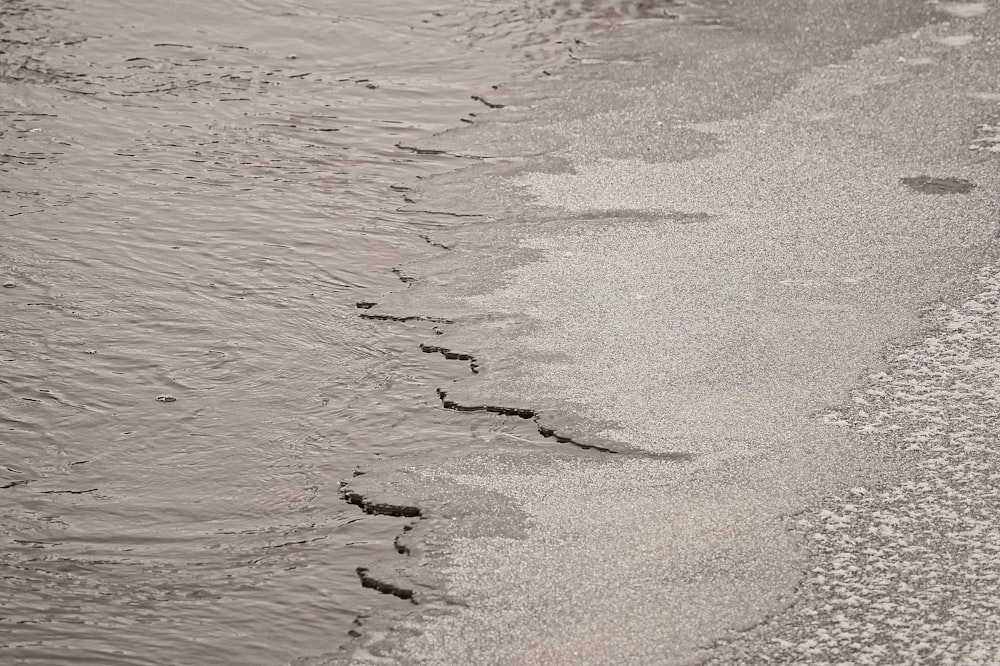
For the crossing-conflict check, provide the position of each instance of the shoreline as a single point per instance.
(195, 197)
(474, 578)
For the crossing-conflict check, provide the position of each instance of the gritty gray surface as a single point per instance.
(720, 292)
(908, 572)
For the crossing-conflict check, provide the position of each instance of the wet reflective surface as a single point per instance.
(193, 196)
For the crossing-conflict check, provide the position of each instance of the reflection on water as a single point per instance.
(193, 196)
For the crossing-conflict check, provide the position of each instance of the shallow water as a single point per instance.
(193, 197)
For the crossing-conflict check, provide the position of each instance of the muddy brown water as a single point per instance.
(193, 196)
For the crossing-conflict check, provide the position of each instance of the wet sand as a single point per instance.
(727, 265)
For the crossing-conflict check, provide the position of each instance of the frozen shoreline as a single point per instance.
(680, 275)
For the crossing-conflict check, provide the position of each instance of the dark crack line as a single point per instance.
(435, 151)
(382, 317)
(438, 212)
(428, 348)
(524, 413)
(385, 587)
(379, 508)
(435, 243)
(405, 279)
(492, 105)
(368, 580)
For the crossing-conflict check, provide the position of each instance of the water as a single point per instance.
(192, 198)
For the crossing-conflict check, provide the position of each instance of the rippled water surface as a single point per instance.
(193, 195)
